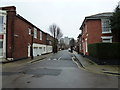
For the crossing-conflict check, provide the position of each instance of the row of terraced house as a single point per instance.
(19, 38)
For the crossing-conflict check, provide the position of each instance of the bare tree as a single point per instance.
(55, 31)
(57, 34)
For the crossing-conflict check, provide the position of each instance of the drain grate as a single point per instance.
(112, 73)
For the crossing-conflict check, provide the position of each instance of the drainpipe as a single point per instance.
(6, 35)
(12, 35)
(31, 51)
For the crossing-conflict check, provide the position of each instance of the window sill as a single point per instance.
(106, 32)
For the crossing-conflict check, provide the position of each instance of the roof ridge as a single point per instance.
(100, 14)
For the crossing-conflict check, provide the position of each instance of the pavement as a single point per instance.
(26, 61)
(91, 66)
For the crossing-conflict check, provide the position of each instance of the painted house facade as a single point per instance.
(95, 29)
(3, 34)
(19, 38)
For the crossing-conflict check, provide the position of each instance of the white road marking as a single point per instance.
(59, 58)
(55, 59)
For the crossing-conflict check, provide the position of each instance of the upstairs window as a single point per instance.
(1, 24)
(40, 35)
(35, 33)
(106, 26)
(85, 28)
(29, 30)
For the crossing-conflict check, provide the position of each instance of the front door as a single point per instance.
(28, 50)
(84, 48)
(1, 48)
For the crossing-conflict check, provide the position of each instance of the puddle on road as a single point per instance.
(39, 72)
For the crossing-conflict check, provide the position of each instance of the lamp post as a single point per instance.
(32, 45)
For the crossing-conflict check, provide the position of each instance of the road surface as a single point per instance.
(56, 71)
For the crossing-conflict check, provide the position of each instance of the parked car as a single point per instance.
(69, 49)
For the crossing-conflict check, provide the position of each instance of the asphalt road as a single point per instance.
(56, 71)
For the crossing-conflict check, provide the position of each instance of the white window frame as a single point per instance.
(40, 35)
(1, 23)
(105, 38)
(103, 23)
(29, 30)
(85, 28)
(86, 45)
(4, 14)
(35, 33)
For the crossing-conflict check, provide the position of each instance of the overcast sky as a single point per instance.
(67, 14)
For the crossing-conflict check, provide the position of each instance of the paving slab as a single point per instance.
(94, 67)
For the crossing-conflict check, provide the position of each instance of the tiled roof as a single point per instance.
(106, 14)
(97, 16)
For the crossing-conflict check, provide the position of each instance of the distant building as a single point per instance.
(64, 42)
(95, 29)
(19, 38)
(67, 40)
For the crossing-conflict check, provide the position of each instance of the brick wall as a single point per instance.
(94, 31)
(44, 37)
(9, 32)
(18, 37)
(91, 33)
(21, 38)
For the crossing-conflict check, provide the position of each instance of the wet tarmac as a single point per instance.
(56, 71)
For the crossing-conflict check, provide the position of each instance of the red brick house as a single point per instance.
(95, 29)
(19, 37)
